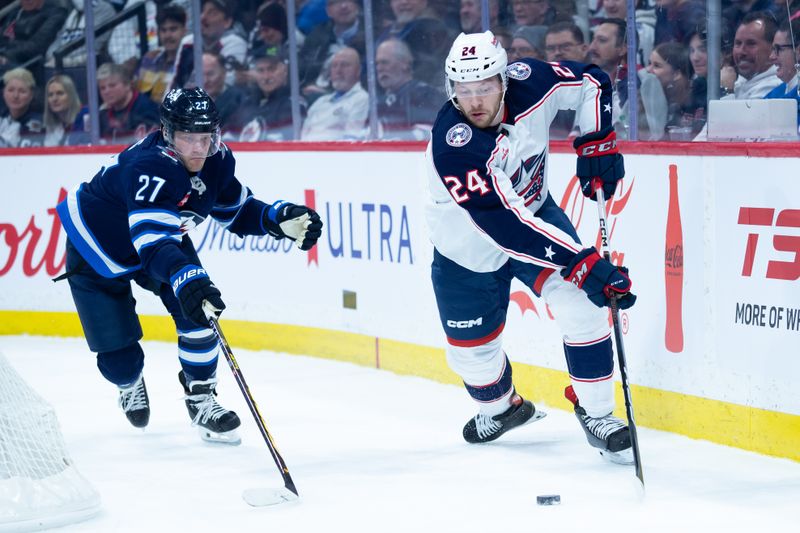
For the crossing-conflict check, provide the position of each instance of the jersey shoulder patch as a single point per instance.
(518, 71)
(459, 135)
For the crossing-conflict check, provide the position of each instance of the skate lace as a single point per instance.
(207, 407)
(604, 426)
(486, 425)
(133, 398)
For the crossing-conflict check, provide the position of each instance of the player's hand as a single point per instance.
(600, 279)
(192, 286)
(598, 159)
(297, 222)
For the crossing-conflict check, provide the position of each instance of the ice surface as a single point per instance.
(371, 451)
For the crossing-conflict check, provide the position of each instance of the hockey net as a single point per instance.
(39, 486)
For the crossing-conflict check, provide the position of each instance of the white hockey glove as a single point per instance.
(297, 222)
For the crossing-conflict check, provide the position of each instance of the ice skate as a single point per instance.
(484, 428)
(608, 434)
(214, 422)
(134, 403)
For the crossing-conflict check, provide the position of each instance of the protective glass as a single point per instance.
(190, 144)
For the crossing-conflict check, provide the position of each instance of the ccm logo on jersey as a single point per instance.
(599, 148)
(464, 324)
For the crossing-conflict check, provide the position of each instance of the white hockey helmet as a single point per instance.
(475, 57)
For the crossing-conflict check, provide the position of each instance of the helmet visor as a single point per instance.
(194, 145)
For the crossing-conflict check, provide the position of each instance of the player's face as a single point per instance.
(57, 98)
(192, 148)
(480, 101)
(698, 56)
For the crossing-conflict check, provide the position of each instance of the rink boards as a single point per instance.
(723, 369)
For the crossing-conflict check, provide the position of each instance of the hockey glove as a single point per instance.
(598, 160)
(191, 286)
(600, 279)
(298, 222)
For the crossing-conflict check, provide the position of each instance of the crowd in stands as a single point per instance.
(246, 63)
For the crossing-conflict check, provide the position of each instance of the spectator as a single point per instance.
(698, 58)
(528, 41)
(28, 30)
(675, 19)
(341, 115)
(686, 115)
(533, 13)
(471, 16)
(564, 42)
(427, 37)
(234, 104)
(645, 23)
(219, 35)
(752, 46)
(343, 29)
(74, 28)
(273, 120)
(157, 67)
(608, 50)
(20, 125)
(125, 115)
(64, 115)
(784, 56)
(406, 106)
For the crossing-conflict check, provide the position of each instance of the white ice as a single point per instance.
(371, 451)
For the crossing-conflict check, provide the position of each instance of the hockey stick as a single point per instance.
(254, 497)
(623, 367)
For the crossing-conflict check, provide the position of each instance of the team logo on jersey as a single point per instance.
(198, 185)
(459, 135)
(518, 71)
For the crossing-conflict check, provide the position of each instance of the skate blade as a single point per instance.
(265, 497)
(231, 438)
(624, 457)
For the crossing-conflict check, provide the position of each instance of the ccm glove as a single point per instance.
(298, 222)
(599, 161)
(192, 286)
(600, 279)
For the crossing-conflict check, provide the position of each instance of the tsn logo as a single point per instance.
(765, 217)
(464, 324)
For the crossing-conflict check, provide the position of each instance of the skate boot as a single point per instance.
(214, 422)
(484, 428)
(134, 403)
(608, 434)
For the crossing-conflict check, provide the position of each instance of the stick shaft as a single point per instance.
(623, 367)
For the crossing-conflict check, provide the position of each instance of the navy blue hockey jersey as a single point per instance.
(487, 183)
(134, 212)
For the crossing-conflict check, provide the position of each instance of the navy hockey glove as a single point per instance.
(191, 286)
(298, 222)
(598, 159)
(600, 279)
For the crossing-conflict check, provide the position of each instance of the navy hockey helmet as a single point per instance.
(192, 111)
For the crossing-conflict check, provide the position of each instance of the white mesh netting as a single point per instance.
(39, 485)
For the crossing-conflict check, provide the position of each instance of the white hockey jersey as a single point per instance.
(487, 184)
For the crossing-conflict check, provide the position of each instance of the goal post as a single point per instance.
(40, 487)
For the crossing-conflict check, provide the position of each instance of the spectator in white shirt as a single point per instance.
(342, 114)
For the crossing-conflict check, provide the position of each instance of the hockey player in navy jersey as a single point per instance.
(130, 223)
(492, 218)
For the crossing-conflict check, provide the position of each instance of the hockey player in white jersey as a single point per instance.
(491, 218)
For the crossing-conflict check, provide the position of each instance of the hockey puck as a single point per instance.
(548, 499)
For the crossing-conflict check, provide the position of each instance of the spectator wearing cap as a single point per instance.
(273, 114)
(20, 124)
(426, 36)
(125, 114)
(343, 29)
(342, 114)
(785, 50)
(527, 41)
(157, 67)
(220, 35)
(28, 30)
(406, 106)
(271, 27)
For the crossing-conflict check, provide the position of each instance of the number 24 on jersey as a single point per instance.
(475, 183)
